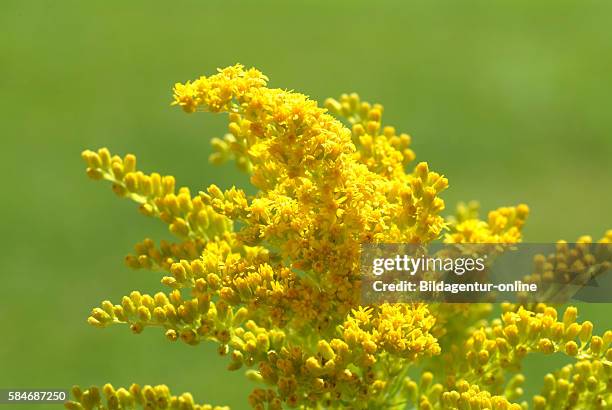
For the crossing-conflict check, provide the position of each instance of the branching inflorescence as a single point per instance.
(273, 278)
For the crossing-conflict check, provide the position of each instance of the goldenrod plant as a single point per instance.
(273, 279)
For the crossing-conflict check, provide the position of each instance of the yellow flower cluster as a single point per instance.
(146, 397)
(187, 217)
(576, 264)
(427, 395)
(493, 351)
(273, 278)
(503, 225)
(584, 385)
(385, 153)
(355, 369)
(458, 321)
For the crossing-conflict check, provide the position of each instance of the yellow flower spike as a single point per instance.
(146, 398)
(258, 274)
(503, 225)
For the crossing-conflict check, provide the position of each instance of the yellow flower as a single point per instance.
(273, 278)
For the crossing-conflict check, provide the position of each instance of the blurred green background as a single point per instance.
(510, 100)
